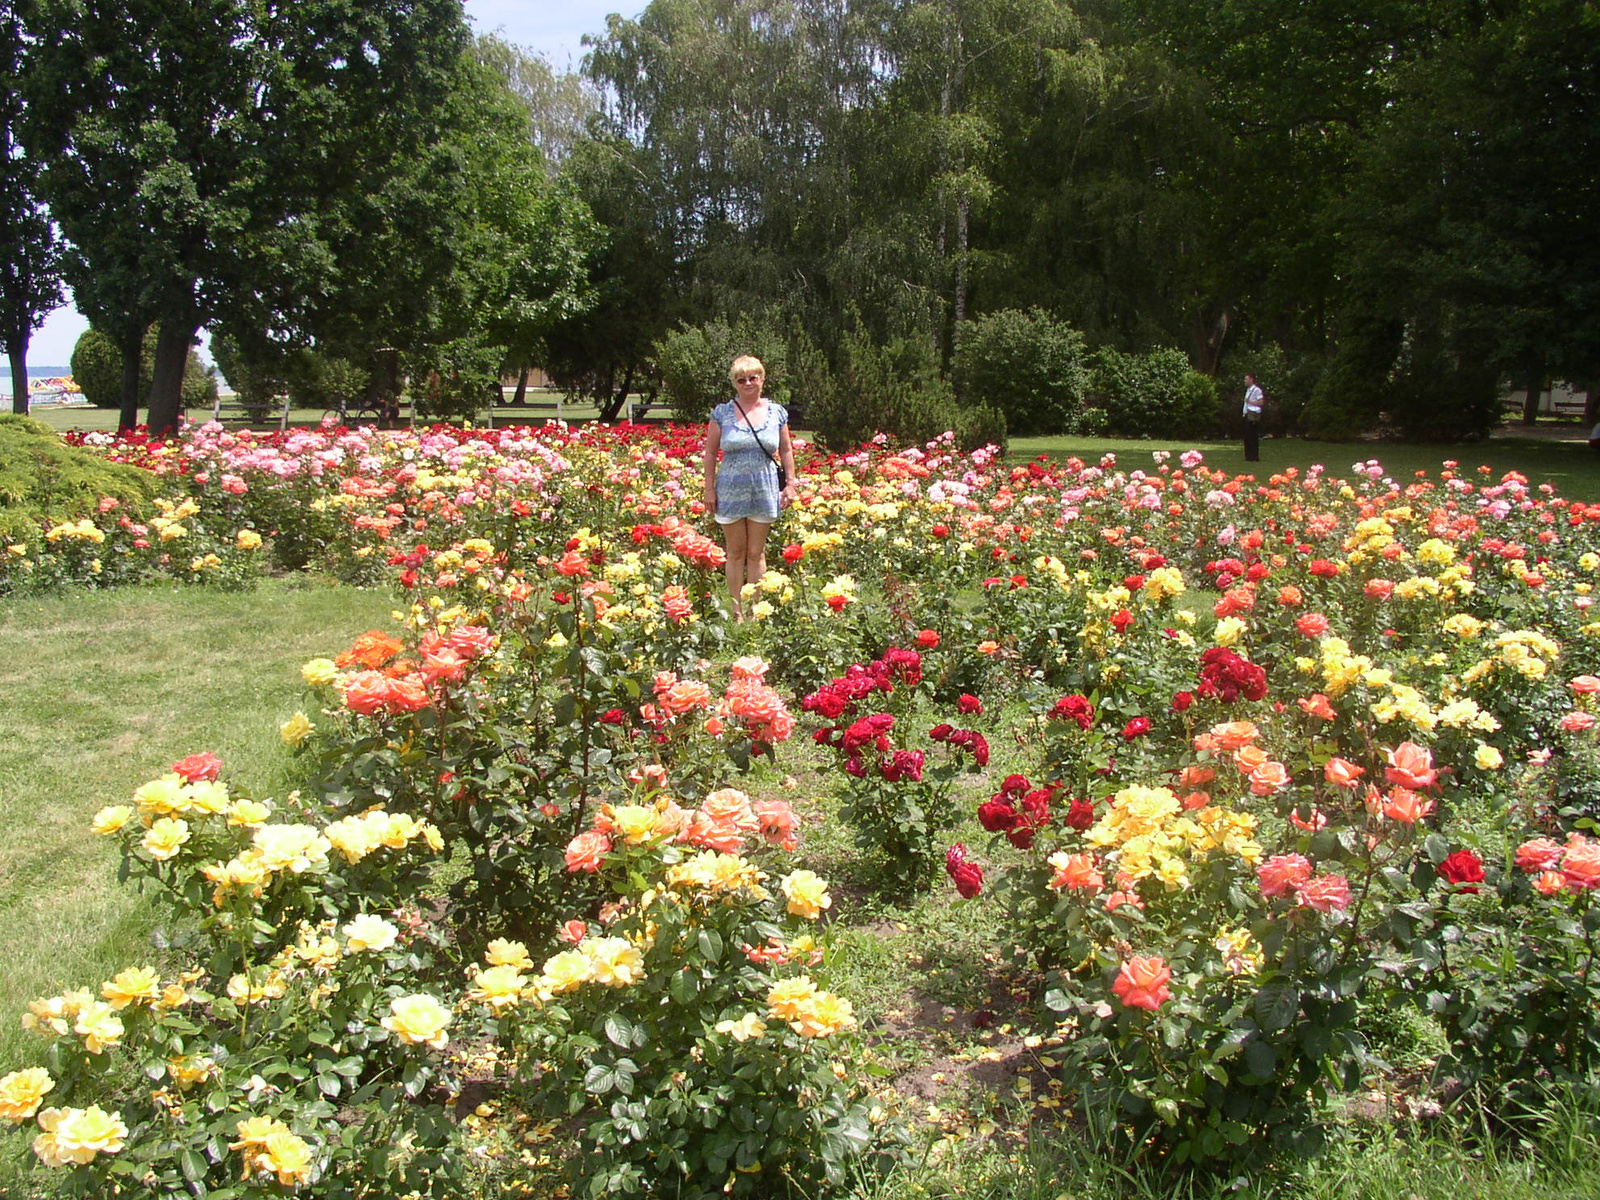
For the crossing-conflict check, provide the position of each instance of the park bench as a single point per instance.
(232, 408)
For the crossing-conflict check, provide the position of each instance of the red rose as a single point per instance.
(1135, 728)
(1080, 815)
(1181, 701)
(967, 704)
(1462, 867)
(793, 553)
(198, 768)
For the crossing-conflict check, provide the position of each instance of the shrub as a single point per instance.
(43, 482)
(97, 369)
(694, 362)
(454, 380)
(895, 389)
(1030, 366)
(1154, 394)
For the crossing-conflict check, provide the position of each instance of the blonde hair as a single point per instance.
(744, 365)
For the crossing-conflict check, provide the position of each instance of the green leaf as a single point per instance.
(1276, 1005)
(192, 1166)
(710, 943)
(1260, 1059)
(619, 1031)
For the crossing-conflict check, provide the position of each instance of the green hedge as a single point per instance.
(43, 481)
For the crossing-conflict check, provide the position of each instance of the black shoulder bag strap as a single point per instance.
(783, 476)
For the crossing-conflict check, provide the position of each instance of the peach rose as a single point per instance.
(1268, 778)
(1411, 766)
(1317, 706)
(1325, 893)
(1283, 873)
(1234, 735)
(585, 851)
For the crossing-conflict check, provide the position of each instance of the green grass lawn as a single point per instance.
(540, 407)
(1571, 467)
(104, 690)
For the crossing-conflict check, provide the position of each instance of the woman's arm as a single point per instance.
(786, 455)
(708, 464)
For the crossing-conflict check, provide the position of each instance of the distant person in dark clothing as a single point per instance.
(1253, 400)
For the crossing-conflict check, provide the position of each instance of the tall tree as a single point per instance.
(30, 266)
(558, 103)
(192, 151)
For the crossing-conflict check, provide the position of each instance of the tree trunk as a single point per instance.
(1530, 403)
(615, 401)
(132, 346)
(17, 352)
(1209, 339)
(961, 261)
(522, 386)
(166, 374)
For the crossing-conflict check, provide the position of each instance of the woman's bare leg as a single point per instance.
(755, 556)
(737, 537)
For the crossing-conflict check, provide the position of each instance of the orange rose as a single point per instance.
(1538, 854)
(366, 692)
(1076, 872)
(1195, 777)
(1142, 982)
(1317, 706)
(1406, 806)
(1581, 863)
(1342, 773)
(1248, 758)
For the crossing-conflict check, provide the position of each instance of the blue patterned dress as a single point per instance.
(747, 481)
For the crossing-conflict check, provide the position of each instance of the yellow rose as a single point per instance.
(319, 672)
(418, 1020)
(110, 819)
(565, 972)
(99, 1026)
(286, 1156)
(249, 814)
(1228, 631)
(1487, 758)
(162, 797)
(186, 1072)
(76, 1135)
(498, 987)
(807, 893)
(22, 1091)
(248, 539)
(136, 985)
(368, 933)
(165, 838)
(614, 962)
(293, 848)
(296, 730)
(244, 988)
(745, 1029)
(503, 953)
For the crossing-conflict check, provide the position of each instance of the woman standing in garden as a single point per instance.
(751, 435)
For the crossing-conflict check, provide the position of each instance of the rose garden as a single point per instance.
(1239, 800)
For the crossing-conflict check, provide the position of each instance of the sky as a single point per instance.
(554, 28)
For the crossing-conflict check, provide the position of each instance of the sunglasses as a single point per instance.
(748, 379)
